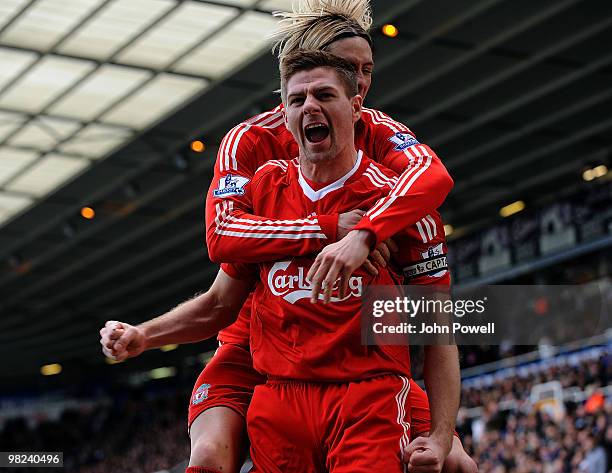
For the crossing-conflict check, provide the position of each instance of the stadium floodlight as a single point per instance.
(390, 30)
(163, 372)
(511, 209)
(197, 146)
(595, 172)
(51, 369)
(601, 170)
(88, 213)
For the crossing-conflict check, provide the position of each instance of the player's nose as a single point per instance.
(311, 104)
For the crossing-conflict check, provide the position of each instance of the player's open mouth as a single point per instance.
(316, 132)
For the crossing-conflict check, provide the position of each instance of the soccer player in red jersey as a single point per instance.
(228, 380)
(330, 403)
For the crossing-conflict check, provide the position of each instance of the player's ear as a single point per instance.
(356, 103)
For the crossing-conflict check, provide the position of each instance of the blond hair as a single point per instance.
(315, 24)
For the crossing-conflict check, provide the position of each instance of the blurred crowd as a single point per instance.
(133, 435)
(535, 442)
(589, 373)
(510, 435)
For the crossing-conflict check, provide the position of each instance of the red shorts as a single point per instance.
(419, 410)
(228, 381)
(354, 427)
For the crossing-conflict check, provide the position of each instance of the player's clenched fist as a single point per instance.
(121, 341)
(424, 455)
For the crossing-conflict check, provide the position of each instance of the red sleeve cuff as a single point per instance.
(366, 224)
(329, 226)
(241, 271)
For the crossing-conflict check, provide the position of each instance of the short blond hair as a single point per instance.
(315, 24)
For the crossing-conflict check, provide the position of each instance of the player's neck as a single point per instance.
(329, 170)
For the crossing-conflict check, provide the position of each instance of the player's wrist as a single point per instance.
(365, 237)
(366, 225)
(145, 335)
(443, 437)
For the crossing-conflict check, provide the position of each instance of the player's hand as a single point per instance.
(338, 260)
(382, 253)
(348, 220)
(121, 341)
(425, 455)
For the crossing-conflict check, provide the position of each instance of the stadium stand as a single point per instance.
(506, 427)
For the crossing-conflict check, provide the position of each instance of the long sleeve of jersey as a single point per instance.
(421, 188)
(233, 233)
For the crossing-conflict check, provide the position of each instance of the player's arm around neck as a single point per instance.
(423, 183)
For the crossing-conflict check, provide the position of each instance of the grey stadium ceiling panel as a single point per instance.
(81, 78)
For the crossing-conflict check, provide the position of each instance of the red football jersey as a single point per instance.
(290, 337)
(235, 234)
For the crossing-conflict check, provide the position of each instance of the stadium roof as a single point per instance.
(99, 100)
(80, 78)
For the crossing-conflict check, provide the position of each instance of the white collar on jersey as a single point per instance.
(317, 195)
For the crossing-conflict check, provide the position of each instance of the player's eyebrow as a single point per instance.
(315, 90)
(325, 88)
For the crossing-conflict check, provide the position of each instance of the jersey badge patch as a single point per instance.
(201, 394)
(230, 185)
(403, 140)
(433, 264)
